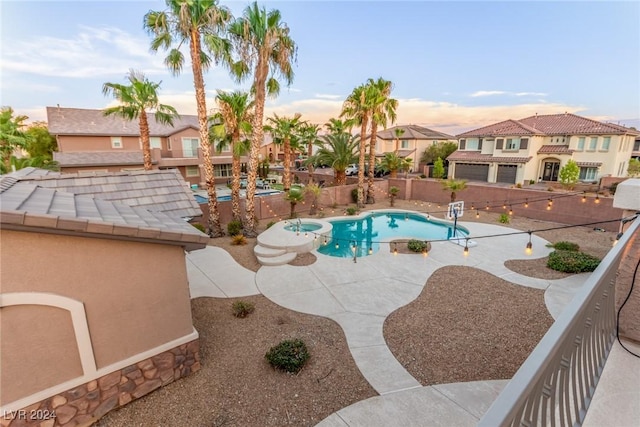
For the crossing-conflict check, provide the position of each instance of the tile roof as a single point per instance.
(156, 190)
(475, 156)
(555, 149)
(98, 158)
(27, 206)
(78, 121)
(550, 124)
(589, 164)
(401, 153)
(413, 132)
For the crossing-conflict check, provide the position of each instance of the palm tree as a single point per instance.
(398, 132)
(383, 110)
(285, 130)
(454, 185)
(338, 150)
(11, 135)
(338, 126)
(393, 163)
(232, 121)
(357, 109)
(135, 99)
(197, 24)
(266, 50)
(308, 134)
(314, 190)
(294, 196)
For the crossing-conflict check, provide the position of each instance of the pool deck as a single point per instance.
(359, 296)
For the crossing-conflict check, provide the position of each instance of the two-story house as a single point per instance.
(411, 141)
(537, 147)
(89, 141)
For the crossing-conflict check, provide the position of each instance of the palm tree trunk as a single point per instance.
(372, 163)
(144, 136)
(261, 72)
(215, 228)
(341, 177)
(397, 145)
(235, 181)
(363, 147)
(393, 173)
(309, 165)
(286, 172)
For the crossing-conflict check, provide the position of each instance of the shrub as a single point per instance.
(423, 176)
(242, 309)
(613, 187)
(504, 218)
(569, 175)
(565, 246)
(354, 195)
(270, 224)
(234, 227)
(351, 211)
(199, 227)
(572, 262)
(238, 240)
(531, 182)
(289, 355)
(518, 185)
(417, 245)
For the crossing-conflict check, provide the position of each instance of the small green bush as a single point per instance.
(270, 224)
(417, 245)
(518, 185)
(565, 246)
(199, 227)
(242, 309)
(351, 211)
(234, 228)
(572, 262)
(504, 218)
(289, 355)
(354, 195)
(238, 240)
(613, 187)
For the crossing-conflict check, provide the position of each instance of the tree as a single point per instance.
(569, 174)
(393, 193)
(357, 108)
(266, 51)
(392, 163)
(454, 186)
(634, 168)
(135, 99)
(231, 122)
(294, 196)
(338, 150)
(309, 136)
(40, 143)
(314, 190)
(383, 109)
(199, 25)
(441, 149)
(398, 132)
(12, 137)
(338, 126)
(438, 168)
(285, 130)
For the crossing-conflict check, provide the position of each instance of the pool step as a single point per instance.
(265, 252)
(277, 260)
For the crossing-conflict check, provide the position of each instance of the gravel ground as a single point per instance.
(466, 325)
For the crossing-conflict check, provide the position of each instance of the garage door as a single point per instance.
(507, 173)
(472, 171)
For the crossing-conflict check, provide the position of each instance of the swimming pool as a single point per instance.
(303, 226)
(367, 232)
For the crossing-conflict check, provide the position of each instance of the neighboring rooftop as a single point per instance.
(550, 124)
(26, 206)
(413, 132)
(162, 191)
(99, 158)
(78, 121)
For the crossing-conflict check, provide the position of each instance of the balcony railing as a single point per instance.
(554, 386)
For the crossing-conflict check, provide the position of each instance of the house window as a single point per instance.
(499, 143)
(225, 148)
(588, 174)
(593, 143)
(524, 143)
(405, 144)
(222, 170)
(581, 143)
(155, 142)
(169, 144)
(512, 144)
(463, 144)
(192, 171)
(190, 147)
(116, 142)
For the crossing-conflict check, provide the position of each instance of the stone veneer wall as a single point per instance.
(85, 404)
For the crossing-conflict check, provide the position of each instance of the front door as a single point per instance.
(550, 172)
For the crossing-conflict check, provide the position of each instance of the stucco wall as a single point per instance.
(135, 294)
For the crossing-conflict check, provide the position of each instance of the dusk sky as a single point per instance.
(455, 65)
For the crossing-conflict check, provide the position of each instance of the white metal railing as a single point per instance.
(554, 386)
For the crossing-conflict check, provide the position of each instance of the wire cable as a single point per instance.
(633, 281)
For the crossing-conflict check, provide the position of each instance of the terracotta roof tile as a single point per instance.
(555, 149)
(78, 121)
(475, 156)
(505, 128)
(413, 132)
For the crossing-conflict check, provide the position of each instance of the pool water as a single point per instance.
(303, 227)
(367, 233)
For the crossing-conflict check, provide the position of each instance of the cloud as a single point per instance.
(327, 96)
(487, 93)
(541, 94)
(93, 52)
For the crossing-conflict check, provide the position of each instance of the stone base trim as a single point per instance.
(86, 403)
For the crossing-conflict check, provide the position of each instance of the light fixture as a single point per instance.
(370, 250)
(550, 202)
(406, 217)
(395, 248)
(325, 240)
(549, 205)
(584, 196)
(526, 203)
(529, 249)
(618, 237)
(337, 245)
(597, 200)
(487, 207)
(472, 206)
(306, 234)
(315, 237)
(466, 247)
(510, 210)
(477, 214)
(504, 205)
